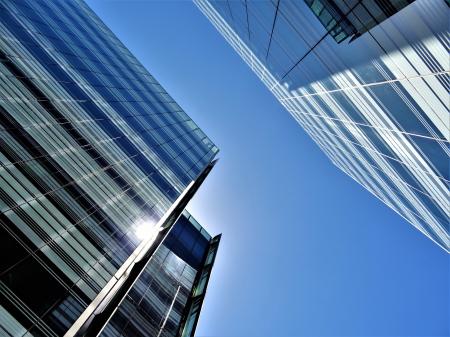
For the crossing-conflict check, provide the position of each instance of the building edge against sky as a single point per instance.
(97, 164)
(368, 81)
(181, 265)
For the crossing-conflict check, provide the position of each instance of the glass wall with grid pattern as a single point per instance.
(368, 80)
(91, 148)
(158, 302)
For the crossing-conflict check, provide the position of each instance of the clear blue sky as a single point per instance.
(306, 251)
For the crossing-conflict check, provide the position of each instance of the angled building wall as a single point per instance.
(162, 301)
(94, 155)
(368, 80)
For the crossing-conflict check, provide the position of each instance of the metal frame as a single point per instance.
(93, 320)
(199, 298)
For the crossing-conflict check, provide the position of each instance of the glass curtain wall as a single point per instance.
(92, 149)
(158, 303)
(368, 80)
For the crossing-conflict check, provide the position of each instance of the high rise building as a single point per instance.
(175, 278)
(368, 80)
(97, 163)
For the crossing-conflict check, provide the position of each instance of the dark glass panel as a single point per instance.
(14, 252)
(42, 293)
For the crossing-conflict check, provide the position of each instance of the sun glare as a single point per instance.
(145, 230)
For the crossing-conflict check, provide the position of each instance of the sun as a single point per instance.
(145, 230)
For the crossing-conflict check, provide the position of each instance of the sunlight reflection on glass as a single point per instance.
(145, 229)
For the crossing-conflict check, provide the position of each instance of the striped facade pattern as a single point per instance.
(377, 105)
(91, 148)
(158, 303)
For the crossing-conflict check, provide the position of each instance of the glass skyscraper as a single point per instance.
(166, 298)
(97, 165)
(368, 80)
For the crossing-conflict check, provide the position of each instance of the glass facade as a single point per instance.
(159, 303)
(93, 153)
(342, 19)
(368, 80)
